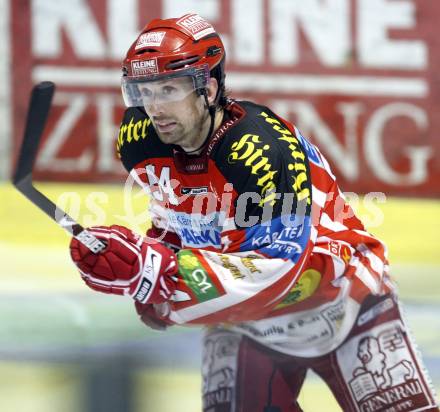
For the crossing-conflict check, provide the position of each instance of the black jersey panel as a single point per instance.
(267, 166)
(138, 140)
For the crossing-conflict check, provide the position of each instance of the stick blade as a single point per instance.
(41, 100)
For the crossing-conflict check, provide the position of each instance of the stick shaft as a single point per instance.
(38, 112)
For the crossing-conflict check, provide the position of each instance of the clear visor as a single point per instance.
(162, 89)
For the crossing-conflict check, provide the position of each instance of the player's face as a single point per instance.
(177, 112)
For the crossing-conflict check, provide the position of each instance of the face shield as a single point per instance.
(164, 88)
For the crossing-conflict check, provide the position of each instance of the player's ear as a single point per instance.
(211, 89)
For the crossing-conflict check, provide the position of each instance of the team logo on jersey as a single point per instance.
(301, 184)
(305, 287)
(132, 131)
(196, 229)
(251, 151)
(144, 67)
(193, 191)
(340, 250)
(197, 277)
(279, 239)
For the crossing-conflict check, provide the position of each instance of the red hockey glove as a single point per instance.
(167, 238)
(152, 315)
(131, 265)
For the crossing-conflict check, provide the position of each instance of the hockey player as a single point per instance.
(251, 237)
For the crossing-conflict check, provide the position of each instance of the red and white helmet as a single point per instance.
(168, 48)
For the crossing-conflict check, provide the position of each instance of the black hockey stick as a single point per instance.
(39, 106)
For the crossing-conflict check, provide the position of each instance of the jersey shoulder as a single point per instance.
(138, 140)
(263, 152)
(258, 125)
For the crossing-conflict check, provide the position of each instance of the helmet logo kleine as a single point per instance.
(144, 67)
(150, 39)
(197, 26)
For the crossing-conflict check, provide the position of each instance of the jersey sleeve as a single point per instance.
(271, 237)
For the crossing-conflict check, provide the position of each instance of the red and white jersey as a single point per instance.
(269, 245)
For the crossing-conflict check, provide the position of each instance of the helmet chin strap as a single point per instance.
(211, 110)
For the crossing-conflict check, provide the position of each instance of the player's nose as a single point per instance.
(154, 109)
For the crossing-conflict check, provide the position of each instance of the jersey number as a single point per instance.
(163, 183)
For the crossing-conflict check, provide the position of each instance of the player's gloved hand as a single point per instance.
(167, 238)
(131, 265)
(154, 316)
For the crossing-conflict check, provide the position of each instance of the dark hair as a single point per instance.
(218, 72)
